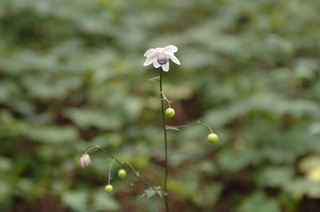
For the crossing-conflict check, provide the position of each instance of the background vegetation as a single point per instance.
(71, 75)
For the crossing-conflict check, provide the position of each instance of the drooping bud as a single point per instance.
(170, 112)
(108, 188)
(122, 173)
(212, 138)
(85, 161)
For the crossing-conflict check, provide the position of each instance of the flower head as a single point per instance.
(160, 56)
(85, 161)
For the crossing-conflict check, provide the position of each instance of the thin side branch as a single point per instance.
(189, 125)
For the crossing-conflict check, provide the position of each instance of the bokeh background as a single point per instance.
(71, 75)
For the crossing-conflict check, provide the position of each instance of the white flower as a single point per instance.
(160, 56)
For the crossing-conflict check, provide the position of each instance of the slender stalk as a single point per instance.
(165, 145)
(189, 125)
(136, 173)
(109, 178)
(165, 98)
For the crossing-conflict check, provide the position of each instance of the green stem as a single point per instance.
(165, 146)
(121, 164)
(109, 178)
(189, 125)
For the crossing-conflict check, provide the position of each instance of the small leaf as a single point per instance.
(159, 193)
(150, 193)
(171, 128)
(144, 194)
(154, 79)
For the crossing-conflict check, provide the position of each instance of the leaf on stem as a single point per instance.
(154, 79)
(144, 194)
(172, 128)
(150, 192)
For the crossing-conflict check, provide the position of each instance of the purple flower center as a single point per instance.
(162, 61)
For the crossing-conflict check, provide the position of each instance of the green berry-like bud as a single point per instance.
(212, 138)
(122, 173)
(170, 112)
(108, 188)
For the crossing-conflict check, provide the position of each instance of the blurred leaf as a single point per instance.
(311, 167)
(232, 159)
(86, 118)
(5, 164)
(208, 195)
(102, 201)
(275, 176)
(50, 134)
(258, 202)
(300, 187)
(76, 200)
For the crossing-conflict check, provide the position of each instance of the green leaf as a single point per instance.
(258, 202)
(278, 176)
(172, 128)
(143, 195)
(50, 134)
(155, 79)
(76, 200)
(86, 118)
(150, 192)
(300, 187)
(233, 159)
(103, 201)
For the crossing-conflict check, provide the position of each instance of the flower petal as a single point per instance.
(150, 59)
(156, 64)
(173, 58)
(170, 48)
(165, 67)
(149, 52)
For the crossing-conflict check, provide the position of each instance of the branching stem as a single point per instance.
(189, 125)
(165, 98)
(124, 165)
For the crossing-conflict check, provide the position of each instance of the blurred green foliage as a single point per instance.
(71, 75)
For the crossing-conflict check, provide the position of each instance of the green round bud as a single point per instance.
(212, 138)
(108, 188)
(170, 112)
(122, 173)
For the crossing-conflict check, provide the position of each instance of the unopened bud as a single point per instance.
(85, 161)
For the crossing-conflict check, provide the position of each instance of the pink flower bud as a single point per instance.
(85, 161)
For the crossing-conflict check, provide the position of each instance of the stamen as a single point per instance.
(162, 61)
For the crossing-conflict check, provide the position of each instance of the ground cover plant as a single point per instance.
(71, 77)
